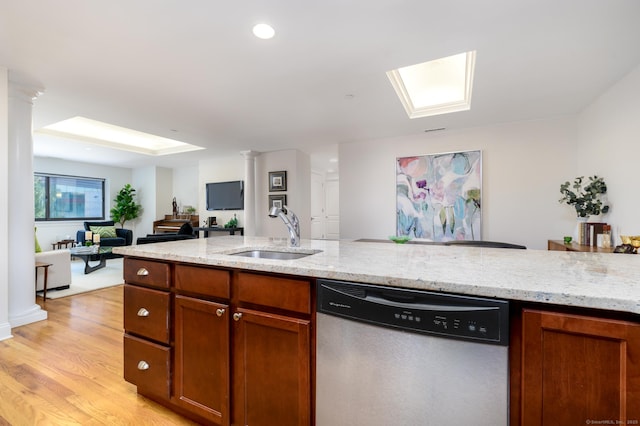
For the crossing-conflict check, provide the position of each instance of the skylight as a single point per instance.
(110, 136)
(436, 87)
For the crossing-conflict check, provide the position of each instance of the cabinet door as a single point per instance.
(201, 363)
(579, 370)
(272, 370)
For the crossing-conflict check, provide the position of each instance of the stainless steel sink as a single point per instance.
(270, 254)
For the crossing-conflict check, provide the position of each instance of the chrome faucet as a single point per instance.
(291, 220)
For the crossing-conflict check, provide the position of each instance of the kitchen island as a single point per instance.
(589, 280)
(581, 307)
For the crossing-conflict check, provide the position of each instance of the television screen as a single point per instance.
(225, 195)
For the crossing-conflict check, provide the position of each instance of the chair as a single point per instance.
(124, 237)
(59, 273)
(184, 233)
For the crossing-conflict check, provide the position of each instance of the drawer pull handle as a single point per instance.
(142, 365)
(237, 316)
(220, 312)
(142, 312)
(142, 272)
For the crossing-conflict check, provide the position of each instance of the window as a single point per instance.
(67, 197)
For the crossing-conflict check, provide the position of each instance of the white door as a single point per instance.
(317, 206)
(332, 209)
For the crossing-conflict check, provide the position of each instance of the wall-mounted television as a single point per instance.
(225, 195)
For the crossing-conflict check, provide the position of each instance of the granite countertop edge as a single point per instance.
(588, 280)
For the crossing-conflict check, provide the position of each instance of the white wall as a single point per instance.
(5, 328)
(164, 193)
(185, 188)
(219, 169)
(298, 167)
(115, 179)
(523, 165)
(610, 147)
(144, 181)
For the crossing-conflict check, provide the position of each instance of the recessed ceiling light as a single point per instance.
(435, 87)
(110, 136)
(264, 31)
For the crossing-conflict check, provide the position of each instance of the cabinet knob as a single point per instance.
(142, 272)
(237, 316)
(142, 312)
(142, 365)
(220, 312)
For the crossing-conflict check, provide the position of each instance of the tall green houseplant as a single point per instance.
(126, 207)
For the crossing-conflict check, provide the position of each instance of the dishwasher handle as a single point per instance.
(416, 302)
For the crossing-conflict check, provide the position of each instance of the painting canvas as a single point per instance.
(438, 197)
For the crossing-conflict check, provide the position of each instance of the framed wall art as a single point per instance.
(439, 196)
(278, 181)
(277, 201)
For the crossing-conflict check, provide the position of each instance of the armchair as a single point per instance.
(59, 274)
(123, 237)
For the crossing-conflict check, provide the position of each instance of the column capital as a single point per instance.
(250, 154)
(24, 92)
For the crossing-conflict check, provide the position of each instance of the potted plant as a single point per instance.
(585, 199)
(126, 207)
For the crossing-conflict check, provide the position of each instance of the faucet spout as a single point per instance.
(291, 221)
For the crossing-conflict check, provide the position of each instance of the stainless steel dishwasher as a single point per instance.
(398, 357)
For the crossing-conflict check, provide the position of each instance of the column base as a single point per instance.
(5, 331)
(34, 314)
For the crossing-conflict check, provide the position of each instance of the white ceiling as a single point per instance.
(193, 71)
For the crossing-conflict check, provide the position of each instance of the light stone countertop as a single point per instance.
(589, 280)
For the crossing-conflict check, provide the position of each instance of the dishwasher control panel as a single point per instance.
(483, 320)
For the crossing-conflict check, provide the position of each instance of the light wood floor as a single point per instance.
(67, 370)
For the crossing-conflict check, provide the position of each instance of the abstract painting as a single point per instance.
(438, 197)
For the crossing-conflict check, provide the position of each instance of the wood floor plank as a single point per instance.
(68, 369)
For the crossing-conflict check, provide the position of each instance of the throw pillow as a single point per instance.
(104, 231)
(38, 248)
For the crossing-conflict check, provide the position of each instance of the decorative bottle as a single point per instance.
(606, 236)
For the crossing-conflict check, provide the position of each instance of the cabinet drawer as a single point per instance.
(205, 281)
(146, 272)
(146, 365)
(146, 312)
(283, 293)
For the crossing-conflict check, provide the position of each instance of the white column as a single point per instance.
(250, 192)
(5, 327)
(22, 293)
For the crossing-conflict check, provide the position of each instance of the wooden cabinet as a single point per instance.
(575, 369)
(201, 326)
(557, 245)
(146, 365)
(201, 364)
(146, 322)
(233, 347)
(272, 369)
(146, 313)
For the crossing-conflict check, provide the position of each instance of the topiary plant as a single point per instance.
(126, 207)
